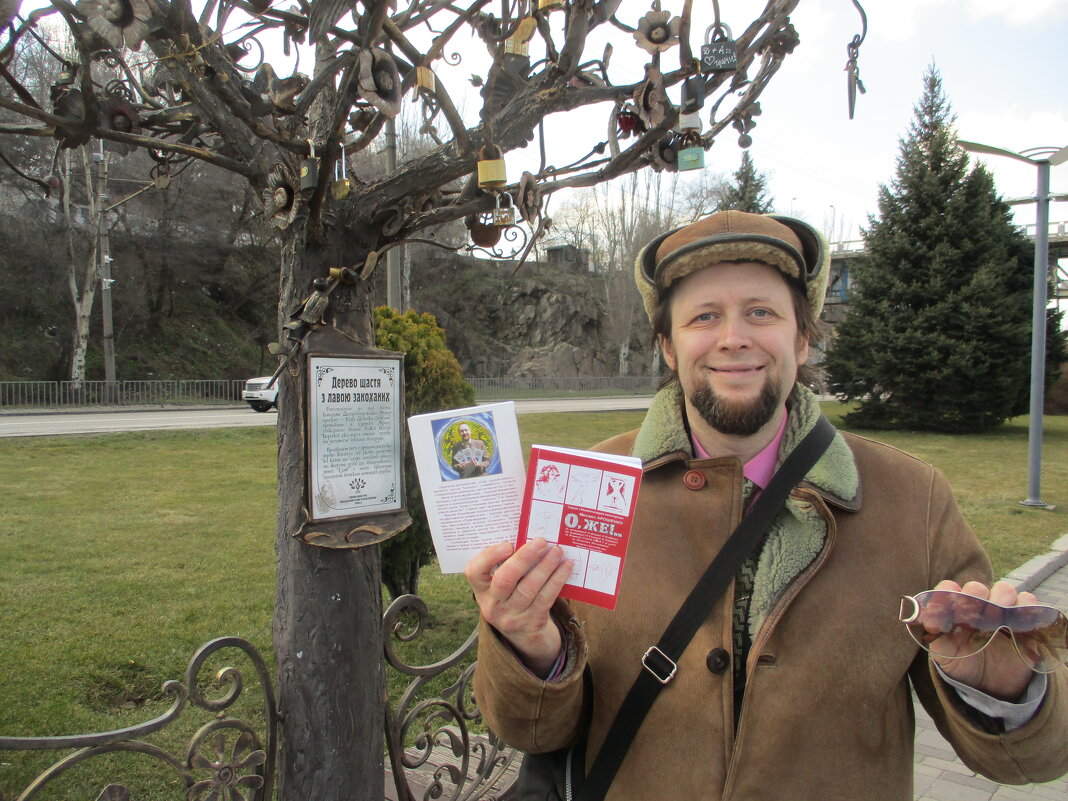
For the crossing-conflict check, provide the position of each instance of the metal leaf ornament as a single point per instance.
(745, 123)
(323, 16)
(380, 81)
(604, 10)
(651, 101)
(655, 33)
(280, 93)
(506, 79)
(529, 200)
(783, 42)
(359, 120)
(121, 23)
(70, 106)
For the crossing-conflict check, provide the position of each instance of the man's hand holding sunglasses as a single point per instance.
(996, 669)
(993, 639)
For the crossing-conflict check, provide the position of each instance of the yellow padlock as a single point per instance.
(341, 186)
(518, 44)
(514, 47)
(424, 78)
(549, 5)
(491, 170)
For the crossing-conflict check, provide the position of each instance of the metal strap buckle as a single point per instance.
(658, 673)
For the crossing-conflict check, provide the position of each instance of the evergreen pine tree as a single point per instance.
(937, 335)
(749, 191)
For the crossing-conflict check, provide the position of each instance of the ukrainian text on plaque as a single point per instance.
(354, 432)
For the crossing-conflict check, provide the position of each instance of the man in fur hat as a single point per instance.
(798, 684)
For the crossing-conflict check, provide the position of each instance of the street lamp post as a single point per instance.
(103, 252)
(1043, 158)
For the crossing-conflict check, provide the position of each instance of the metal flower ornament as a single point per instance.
(121, 23)
(657, 31)
(230, 767)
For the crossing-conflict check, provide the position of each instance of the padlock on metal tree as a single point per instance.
(691, 153)
(628, 121)
(341, 186)
(690, 122)
(718, 53)
(518, 44)
(504, 215)
(692, 158)
(693, 94)
(309, 169)
(545, 6)
(425, 79)
(491, 170)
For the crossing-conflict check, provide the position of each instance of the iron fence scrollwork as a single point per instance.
(433, 751)
(445, 759)
(227, 757)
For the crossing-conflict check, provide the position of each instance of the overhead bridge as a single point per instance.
(845, 253)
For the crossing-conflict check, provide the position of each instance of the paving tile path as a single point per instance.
(940, 776)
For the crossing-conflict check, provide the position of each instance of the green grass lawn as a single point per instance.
(121, 554)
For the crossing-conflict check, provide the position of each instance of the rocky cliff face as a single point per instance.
(196, 299)
(543, 321)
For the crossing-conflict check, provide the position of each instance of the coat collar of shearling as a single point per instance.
(664, 434)
(799, 532)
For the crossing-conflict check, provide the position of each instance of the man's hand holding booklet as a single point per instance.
(582, 500)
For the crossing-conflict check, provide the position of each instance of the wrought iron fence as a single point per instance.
(444, 757)
(433, 750)
(31, 395)
(60, 394)
(227, 757)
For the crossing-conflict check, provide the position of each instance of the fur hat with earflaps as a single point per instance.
(794, 247)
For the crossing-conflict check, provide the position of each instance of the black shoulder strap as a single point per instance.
(660, 661)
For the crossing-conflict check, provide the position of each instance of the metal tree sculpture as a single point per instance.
(183, 92)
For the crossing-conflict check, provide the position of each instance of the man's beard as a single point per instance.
(742, 419)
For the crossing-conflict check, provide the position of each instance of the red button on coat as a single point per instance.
(694, 479)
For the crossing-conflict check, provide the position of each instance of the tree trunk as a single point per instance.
(160, 290)
(81, 297)
(413, 575)
(328, 604)
(82, 301)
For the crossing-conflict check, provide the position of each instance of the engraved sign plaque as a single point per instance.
(354, 436)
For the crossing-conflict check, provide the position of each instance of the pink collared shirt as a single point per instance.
(761, 467)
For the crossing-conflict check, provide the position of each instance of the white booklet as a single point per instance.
(471, 473)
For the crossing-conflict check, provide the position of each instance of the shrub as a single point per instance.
(433, 380)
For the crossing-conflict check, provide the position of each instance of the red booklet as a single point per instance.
(585, 502)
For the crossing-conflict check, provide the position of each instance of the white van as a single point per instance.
(259, 396)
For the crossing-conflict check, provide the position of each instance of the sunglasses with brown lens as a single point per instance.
(954, 625)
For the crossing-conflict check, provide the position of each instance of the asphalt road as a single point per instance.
(105, 421)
